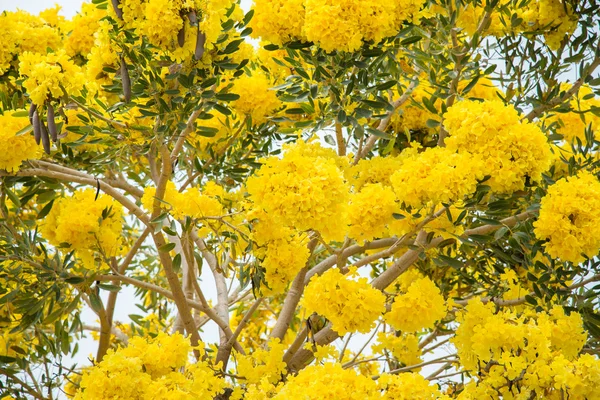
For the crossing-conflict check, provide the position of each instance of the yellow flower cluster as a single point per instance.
(328, 382)
(44, 76)
(537, 351)
(572, 125)
(436, 175)
(15, 149)
(85, 224)
(334, 25)
(81, 28)
(150, 369)
(419, 308)
(570, 218)
(404, 347)
(283, 251)
(160, 21)
(373, 170)
(256, 100)
(408, 386)
(191, 203)
(263, 364)
(553, 18)
(369, 212)
(510, 149)
(343, 25)
(23, 32)
(413, 115)
(305, 189)
(350, 305)
(278, 21)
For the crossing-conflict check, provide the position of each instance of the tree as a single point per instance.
(423, 173)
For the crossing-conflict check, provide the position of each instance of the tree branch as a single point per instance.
(292, 299)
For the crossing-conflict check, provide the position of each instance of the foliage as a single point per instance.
(366, 199)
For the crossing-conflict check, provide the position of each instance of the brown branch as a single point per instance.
(536, 112)
(327, 335)
(348, 252)
(292, 299)
(105, 187)
(383, 124)
(341, 143)
(165, 258)
(225, 351)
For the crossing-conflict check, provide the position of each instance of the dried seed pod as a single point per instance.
(193, 18)
(32, 109)
(126, 81)
(52, 123)
(45, 138)
(201, 38)
(181, 35)
(118, 10)
(37, 130)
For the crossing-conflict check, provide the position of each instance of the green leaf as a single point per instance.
(110, 288)
(166, 248)
(177, 262)
(44, 211)
(20, 114)
(96, 302)
(410, 40)
(74, 280)
(207, 131)
(387, 85)
(227, 96)
(451, 261)
(25, 130)
(13, 197)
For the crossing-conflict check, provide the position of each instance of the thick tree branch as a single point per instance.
(292, 299)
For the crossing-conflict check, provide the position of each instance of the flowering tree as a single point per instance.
(388, 200)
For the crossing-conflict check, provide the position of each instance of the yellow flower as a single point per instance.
(350, 305)
(305, 189)
(404, 347)
(328, 381)
(151, 369)
(267, 364)
(408, 386)
(256, 100)
(16, 149)
(344, 25)
(191, 203)
(369, 212)
(44, 76)
(278, 21)
(85, 224)
(436, 175)
(512, 151)
(419, 308)
(570, 218)
(81, 28)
